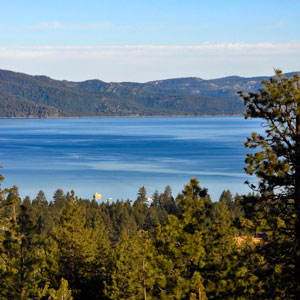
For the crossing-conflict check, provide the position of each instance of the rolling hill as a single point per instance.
(26, 96)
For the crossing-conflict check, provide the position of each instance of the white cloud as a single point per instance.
(151, 50)
(152, 62)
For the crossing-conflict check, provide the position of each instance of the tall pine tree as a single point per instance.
(21, 262)
(277, 166)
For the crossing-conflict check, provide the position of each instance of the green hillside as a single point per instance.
(27, 96)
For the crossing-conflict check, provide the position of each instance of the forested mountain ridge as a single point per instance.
(23, 95)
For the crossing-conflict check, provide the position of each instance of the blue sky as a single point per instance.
(145, 40)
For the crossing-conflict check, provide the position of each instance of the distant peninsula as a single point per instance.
(26, 96)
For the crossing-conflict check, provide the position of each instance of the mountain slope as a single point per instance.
(23, 95)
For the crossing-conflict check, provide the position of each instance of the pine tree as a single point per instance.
(167, 202)
(221, 252)
(21, 260)
(77, 247)
(63, 292)
(59, 199)
(133, 270)
(140, 208)
(101, 263)
(181, 247)
(277, 165)
(141, 197)
(226, 196)
(41, 214)
(40, 199)
(155, 200)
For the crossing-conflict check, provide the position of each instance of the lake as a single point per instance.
(116, 156)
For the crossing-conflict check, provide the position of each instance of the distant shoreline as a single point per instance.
(98, 117)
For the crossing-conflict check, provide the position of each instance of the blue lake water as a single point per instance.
(116, 156)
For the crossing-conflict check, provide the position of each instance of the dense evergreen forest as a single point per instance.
(183, 247)
(26, 96)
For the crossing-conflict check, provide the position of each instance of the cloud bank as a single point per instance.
(151, 62)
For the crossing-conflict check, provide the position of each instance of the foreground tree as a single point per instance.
(21, 263)
(133, 270)
(277, 165)
(78, 258)
(180, 247)
(63, 292)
